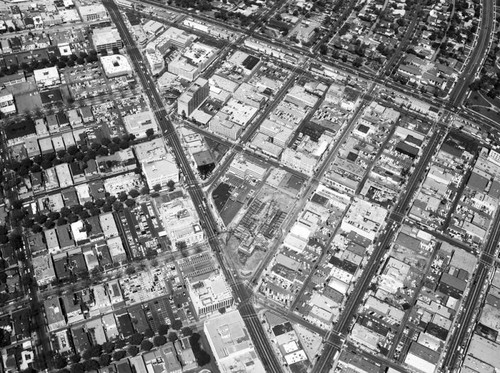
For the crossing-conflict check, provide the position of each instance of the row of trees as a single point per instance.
(60, 61)
(98, 356)
(73, 153)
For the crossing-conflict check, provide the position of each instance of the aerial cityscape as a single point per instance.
(255, 186)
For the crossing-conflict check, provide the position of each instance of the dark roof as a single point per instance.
(9, 78)
(51, 96)
(81, 339)
(453, 282)
(407, 149)
(96, 189)
(477, 182)
(359, 239)
(36, 178)
(75, 168)
(21, 322)
(51, 120)
(95, 225)
(64, 236)
(203, 158)
(20, 129)
(413, 140)
(362, 128)
(77, 263)
(91, 166)
(409, 242)
(447, 148)
(333, 294)
(250, 62)
(320, 200)
(125, 326)
(71, 303)
(424, 353)
(124, 367)
(62, 118)
(35, 243)
(61, 266)
(103, 255)
(139, 318)
(494, 189)
(70, 197)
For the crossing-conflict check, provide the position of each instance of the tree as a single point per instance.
(136, 338)
(65, 212)
(202, 357)
(118, 355)
(105, 360)
(120, 343)
(77, 368)
(117, 206)
(148, 333)
(144, 190)
(40, 218)
(130, 203)
(187, 331)
(107, 208)
(90, 365)
(171, 185)
(37, 228)
(61, 221)
(177, 324)
(75, 358)
(159, 340)
(108, 347)
(172, 336)
(99, 202)
(95, 211)
(133, 193)
(146, 345)
(16, 241)
(123, 196)
(163, 329)
(49, 224)
(4, 239)
(133, 350)
(150, 132)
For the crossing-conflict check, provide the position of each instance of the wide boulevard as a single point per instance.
(247, 311)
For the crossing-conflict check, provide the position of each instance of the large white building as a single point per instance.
(93, 13)
(47, 77)
(231, 344)
(210, 294)
(364, 218)
(137, 124)
(160, 172)
(116, 65)
(243, 168)
(193, 61)
(106, 38)
(7, 105)
(193, 97)
(181, 222)
(150, 151)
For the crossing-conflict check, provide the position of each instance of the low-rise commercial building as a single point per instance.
(161, 172)
(231, 344)
(115, 65)
(210, 295)
(137, 124)
(106, 38)
(193, 97)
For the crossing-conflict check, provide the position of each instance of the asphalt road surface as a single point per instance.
(248, 313)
